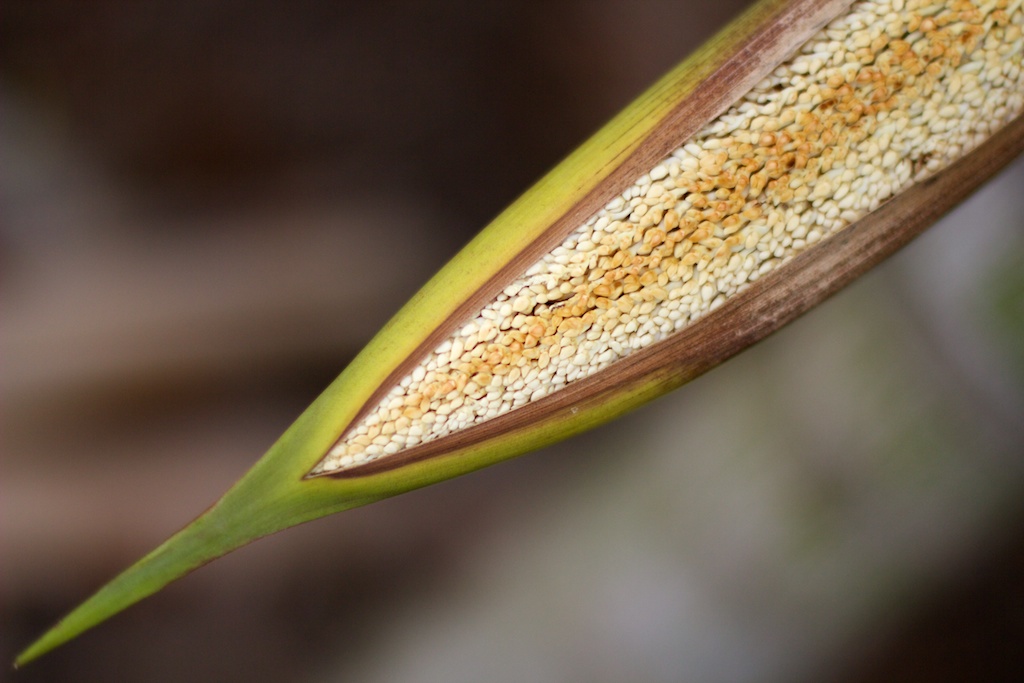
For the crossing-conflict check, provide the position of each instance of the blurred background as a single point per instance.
(207, 208)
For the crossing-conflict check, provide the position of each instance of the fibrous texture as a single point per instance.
(878, 100)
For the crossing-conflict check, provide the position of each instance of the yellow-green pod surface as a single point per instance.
(797, 148)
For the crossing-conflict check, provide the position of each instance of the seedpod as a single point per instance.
(803, 144)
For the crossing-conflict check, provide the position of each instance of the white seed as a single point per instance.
(661, 254)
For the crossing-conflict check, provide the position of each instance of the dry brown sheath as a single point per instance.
(761, 309)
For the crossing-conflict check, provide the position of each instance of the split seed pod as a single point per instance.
(806, 142)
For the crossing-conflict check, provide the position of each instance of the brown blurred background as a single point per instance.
(207, 208)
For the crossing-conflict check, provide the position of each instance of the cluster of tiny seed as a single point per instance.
(880, 98)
